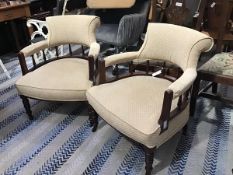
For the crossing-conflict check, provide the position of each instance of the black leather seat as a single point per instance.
(122, 27)
(119, 27)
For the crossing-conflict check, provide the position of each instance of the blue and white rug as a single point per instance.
(60, 141)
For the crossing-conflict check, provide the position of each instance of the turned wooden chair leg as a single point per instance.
(91, 113)
(214, 88)
(194, 96)
(27, 107)
(185, 129)
(93, 118)
(149, 158)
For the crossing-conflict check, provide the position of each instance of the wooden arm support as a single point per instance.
(91, 63)
(102, 71)
(167, 114)
(22, 62)
(166, 108)
(25, 69)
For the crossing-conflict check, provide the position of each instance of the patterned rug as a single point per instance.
(60, 141)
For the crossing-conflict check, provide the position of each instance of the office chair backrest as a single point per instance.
(110, 4)
(72, 29)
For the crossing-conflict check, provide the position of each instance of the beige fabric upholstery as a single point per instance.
(136, 102)
(175, 44)
(179, 45)
(34, 48)
(66, 79)
(94, 50)
(100, 4)
(184, 82)
(72, 29)
(136, 107)
(61, 80)
(120, 58)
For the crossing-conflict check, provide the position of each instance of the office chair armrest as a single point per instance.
(34, 48)
(181, 85)
(120, 58)
(94, 50)
(130, 28)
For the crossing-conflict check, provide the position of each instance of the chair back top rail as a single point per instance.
(110, 4)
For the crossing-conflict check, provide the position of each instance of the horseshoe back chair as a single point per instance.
(150, 107)
(63, 78)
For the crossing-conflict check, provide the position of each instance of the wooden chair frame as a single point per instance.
(214, 79)
(166, 114)
(221, 35)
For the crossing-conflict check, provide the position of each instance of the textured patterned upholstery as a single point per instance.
(179, 45)
(175, 44)
(81, 31)
(221, 63)
(62, 80)
(133, 105)
(135, 108)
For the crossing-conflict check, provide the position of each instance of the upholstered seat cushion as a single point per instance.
(221, 63)
(133, 106)
(62, 80)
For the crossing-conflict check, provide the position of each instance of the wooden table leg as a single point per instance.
(15, 34)
(194, 96)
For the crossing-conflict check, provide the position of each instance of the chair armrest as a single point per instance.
(34, 48)
(182, 84)
(130, 28)
(94, 50)
(176, 89)
(120, 58)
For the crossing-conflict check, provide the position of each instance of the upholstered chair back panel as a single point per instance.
(183, 51)
(73, 29)
(101, 4)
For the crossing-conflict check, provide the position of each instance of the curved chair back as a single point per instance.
(100, 4)
(61, 29)
(179, 45)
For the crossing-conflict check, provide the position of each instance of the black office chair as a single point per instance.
(121, 27)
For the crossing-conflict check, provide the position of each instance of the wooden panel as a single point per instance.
(100, 4)
(13, 13)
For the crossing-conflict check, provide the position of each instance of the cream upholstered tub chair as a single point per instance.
(151, 109)
(63, 78)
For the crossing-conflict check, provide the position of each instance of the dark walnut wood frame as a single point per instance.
(221, 35)
(219, 28)
(214, 79)
(78, 54)
(171, 74)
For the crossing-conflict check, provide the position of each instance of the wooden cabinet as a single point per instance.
(11, 10)
(13, 17)
(14, 11)
(216, 19)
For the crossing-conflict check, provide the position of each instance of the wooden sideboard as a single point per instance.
(16, 9)
(11, 10)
